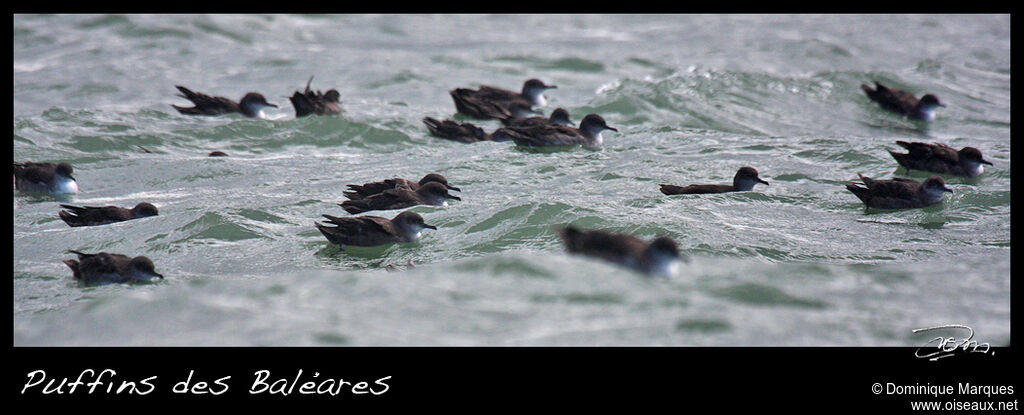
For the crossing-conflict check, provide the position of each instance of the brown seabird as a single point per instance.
(903, 102)
(357, 191)
(432, 193)
(940, 158)
(251, 105)
(899, 192)
(588, 134)
(111, 268)
(44, 177)
(102, 215)
(743, 181)
(627, 250)
(373, 230)
(489, 102)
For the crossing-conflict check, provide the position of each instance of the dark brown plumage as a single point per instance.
(357, 191)
(899, 193)
(558, 116)
(903, 102)
(587, 135)
(489, 102)
(743, 181)
(431, 193)
(44, 177)
(250, 105)
(940, 158)
(623, 249)
(451, 130)
(93, 216)
(373, 230)
(311, 102)
(111, 268)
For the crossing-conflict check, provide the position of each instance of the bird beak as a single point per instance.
(986, 162)
(942, 105)
(271, 105)
(610, 128)
(450, 187)
(425, 226)
(946, 189)
(158, 275)
(551, 87)
(453, 197)
(762, 181)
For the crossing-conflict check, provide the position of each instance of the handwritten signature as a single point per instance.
(949, 346)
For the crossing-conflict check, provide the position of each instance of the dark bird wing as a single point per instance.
(302, 103)
(525, 122)
(464, 132)
(695, 189)
(100, 266)
(93, 215)
(544, 135)
(605, 245)
(895, 188)
(479, 104)
(359, 231)
(357, 191)
(389, 199)
(204, 104)
(37, 173)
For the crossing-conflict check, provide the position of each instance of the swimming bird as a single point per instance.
(373, 230)
(489, 102)
(903, 102)
(316, 102)
(588, 134)
(743, 181)
(357, 191)
(217, 153)
(558, 116)
(899, 192)
(469, 133)
(940, 158)
(432, 193)
(251, 105)
(92, 215)
(657, 257)
(109, 268)
(44, 177)
(461, 132)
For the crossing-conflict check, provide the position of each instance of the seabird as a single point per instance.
(373, 230)
(461, 132)
(357, 191)
(490, 102)
(899, 192)
(627, 250)
(316, 102)
(588, 134)
(432, 193)
(44, 177)
(903, 102)
(940, 158)
(92, 215)
(251, 105)
(743, 181)
(108, 268)
(469, 133)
